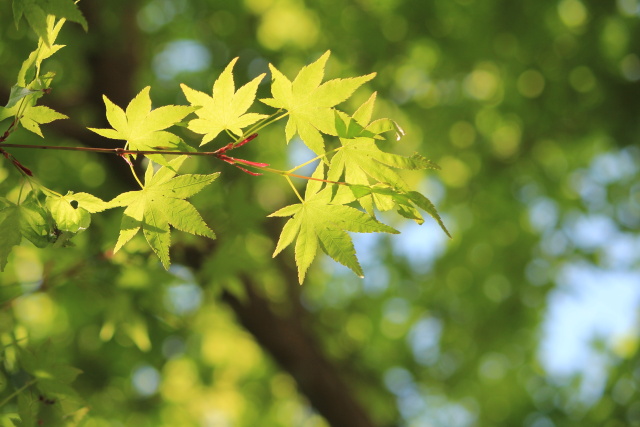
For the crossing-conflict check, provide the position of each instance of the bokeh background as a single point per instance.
(527, 317)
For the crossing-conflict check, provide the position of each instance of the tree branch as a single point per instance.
(291, 343)
(295, 349)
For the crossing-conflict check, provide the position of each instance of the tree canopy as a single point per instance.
(516, 120)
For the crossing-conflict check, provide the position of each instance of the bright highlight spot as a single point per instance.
(181, 56)
(530, 83)
(582, 79)
(456, 172)
(572, 13)
(290, 25)
(145, 380)
(482, 84)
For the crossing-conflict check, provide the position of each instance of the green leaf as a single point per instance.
(360, 161)
(226, 108)
(31, 116)
(27, 410)
(36, 11)
(30, 69)
(36, 223)
(405, 202)
(143, 127)
(67, 9)
(17, 93)
(72, 212)
(316, 222)
(310, 104)
(34, 14)
(10, 235)
(160, 204)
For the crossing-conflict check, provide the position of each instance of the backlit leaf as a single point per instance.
(318, 223)
(310, 103)
(160, 204)
(226, 108)
(72, 212)
(143, 128)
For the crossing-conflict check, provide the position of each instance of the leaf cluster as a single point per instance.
(355, 176)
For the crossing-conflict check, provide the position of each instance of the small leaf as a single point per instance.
(17, 94)
(405, 202)
(67, 9)
(67, 217)
(59, 8)
(31, 117)
(36, 223)
(142, 127)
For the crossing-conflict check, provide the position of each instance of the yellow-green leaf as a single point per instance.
(226, 108)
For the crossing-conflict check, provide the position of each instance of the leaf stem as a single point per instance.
(135, 175)
(308, 162)
(295, 190)
(266, 122)
(20, 192)
(310, 178)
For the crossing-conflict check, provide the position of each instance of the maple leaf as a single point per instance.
(32, 116)
(226, 108)
(31, 66)
(160, 204)
(37, 13)
(318, 223)
(404, 201)
(72, 212)
(359, 160)
(309, 103)
(142, 127)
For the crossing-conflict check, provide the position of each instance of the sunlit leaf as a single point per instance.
(226, 108)
(160, 204)
(142, 127)
(318, 223)
(309, 103)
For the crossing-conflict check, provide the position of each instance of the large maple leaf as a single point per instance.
(309, 103)
(162, 203)
(318, 223)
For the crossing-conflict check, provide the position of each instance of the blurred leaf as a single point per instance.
(9, 229)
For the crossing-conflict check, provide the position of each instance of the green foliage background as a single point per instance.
(518, 102)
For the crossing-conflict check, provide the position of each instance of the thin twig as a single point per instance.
(123, 152)
(17, 392)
